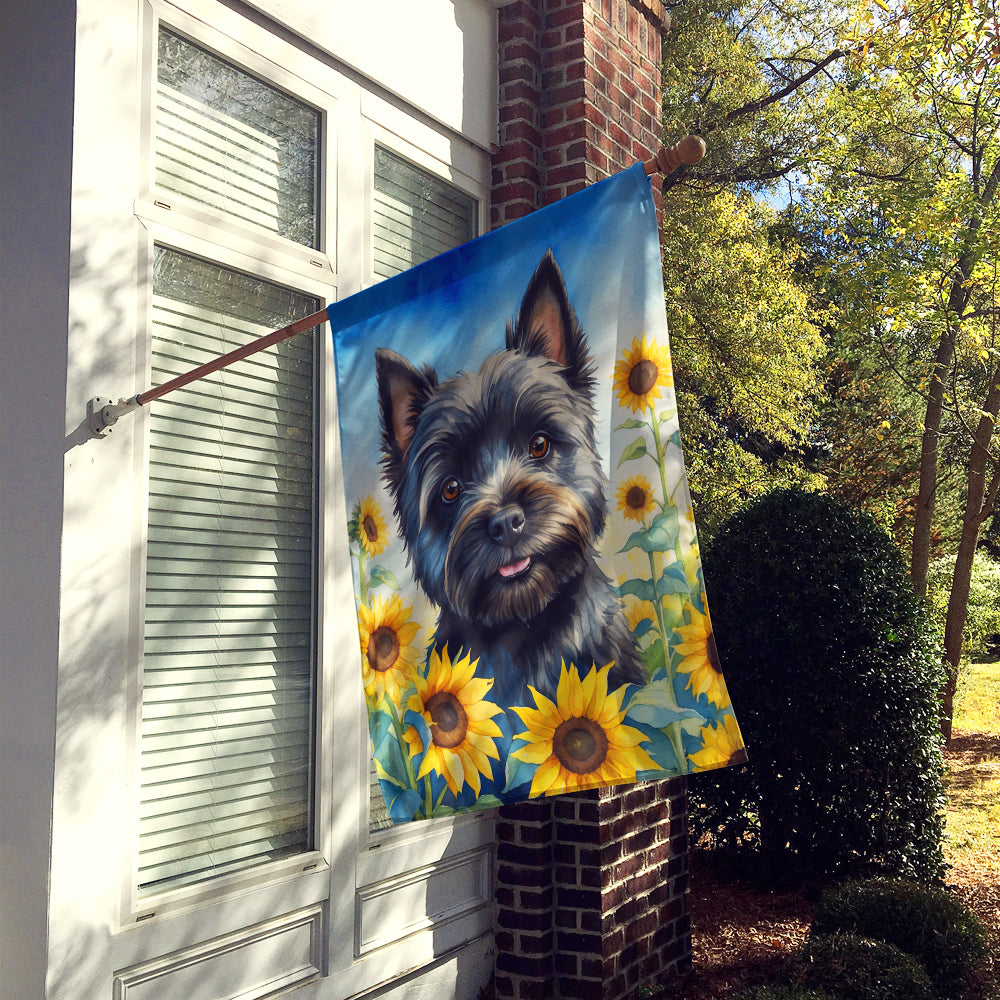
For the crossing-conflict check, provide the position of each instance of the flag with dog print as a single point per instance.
(531, 608)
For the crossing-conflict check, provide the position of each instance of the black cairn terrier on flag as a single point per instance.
(499, 494)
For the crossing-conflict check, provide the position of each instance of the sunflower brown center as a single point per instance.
(580, 745)
(383, 648)
(370, 528)
(449, 723)
(636, 498)
(642, 377)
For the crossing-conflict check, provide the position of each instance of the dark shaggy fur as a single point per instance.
(499, 496)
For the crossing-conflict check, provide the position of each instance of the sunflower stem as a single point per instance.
(428, 798)
(404, 747)
(661, 462)
(363, 578)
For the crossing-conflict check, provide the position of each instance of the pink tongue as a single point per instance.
(514, 568)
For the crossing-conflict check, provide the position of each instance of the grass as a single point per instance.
(974, 775)
(973, 811)
(978, 698)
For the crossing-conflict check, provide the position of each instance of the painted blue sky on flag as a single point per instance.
(532, 613)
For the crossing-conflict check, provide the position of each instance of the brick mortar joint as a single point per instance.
(655, 11)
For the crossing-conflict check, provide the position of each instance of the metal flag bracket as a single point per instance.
(103, 413)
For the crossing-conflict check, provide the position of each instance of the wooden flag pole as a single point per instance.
(103, 413)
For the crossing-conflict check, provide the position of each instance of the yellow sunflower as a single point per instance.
(721, 746)
(579, 741)
(644, 370)
(388, 654)
(372, 532)
(638, 611)
(452, 702)
(701, 659)
(635, 498)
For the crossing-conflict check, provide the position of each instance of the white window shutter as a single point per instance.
(228, 656)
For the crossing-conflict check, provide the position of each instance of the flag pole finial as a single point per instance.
(688, 151)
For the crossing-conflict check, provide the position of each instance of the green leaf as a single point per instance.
(630, 425)
(653, 658)
(660, 536)
(643, 589)
(673, 581)
(655, 706)
(381, 576)
(635, 450)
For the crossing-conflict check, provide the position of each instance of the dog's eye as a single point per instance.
(539, 446)
(450, 490)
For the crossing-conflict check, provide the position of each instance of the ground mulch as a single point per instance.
(742, 934)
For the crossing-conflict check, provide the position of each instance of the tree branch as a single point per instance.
(753, 107)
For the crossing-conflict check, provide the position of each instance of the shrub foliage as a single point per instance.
(926, 922)
(780, 992)
(856, 968)
(833, 673)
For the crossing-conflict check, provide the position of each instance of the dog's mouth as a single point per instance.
(515, 568)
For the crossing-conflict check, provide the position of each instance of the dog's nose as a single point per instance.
(506, 525)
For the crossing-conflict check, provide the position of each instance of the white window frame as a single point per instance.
(352, 874)
(180, 224)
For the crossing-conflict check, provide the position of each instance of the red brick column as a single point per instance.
(591, 889)
(579, 96)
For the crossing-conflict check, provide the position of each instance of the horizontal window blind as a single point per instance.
(416, 216)
(231, 141)
(228, 654)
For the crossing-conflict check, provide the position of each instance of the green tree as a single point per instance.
(747, 357)
(910, 179)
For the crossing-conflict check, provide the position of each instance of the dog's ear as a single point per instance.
(402, 392)
(546, 324)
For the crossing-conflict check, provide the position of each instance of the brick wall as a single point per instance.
(579, 96)
(591, 889)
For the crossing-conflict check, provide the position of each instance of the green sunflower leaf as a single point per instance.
(488, 802)
(653, 657)
(404, 806)
(381, 576)
(673, 581)
(655, 705)
(384, 775)
(631, 424)
(643, 589)
(660, 536)
(642, 627)
(635, 450)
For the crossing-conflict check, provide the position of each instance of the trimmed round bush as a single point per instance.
(857, 968)
(926, 922)
(834, 673)
(782, 993)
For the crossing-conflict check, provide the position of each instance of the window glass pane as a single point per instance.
(231, 141)
(228, 656)
(416, 215)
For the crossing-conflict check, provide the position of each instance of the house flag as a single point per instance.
(531, 608)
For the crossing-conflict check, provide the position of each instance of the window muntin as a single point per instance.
(228, 683)
(226, 139)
